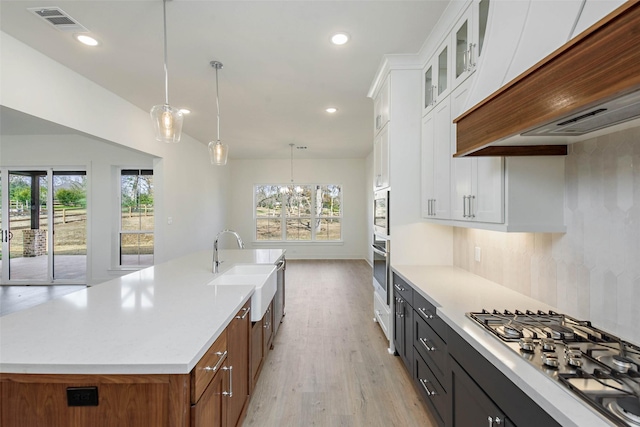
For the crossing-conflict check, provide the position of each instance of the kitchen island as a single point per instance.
(137, 338)
(455, 292)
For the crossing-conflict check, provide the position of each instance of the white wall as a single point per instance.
(350, 173)
(188, 188)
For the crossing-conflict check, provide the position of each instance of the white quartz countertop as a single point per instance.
(455, 292)
(159, 320)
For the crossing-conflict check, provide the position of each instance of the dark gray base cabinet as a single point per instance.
(476, 383)
(471, 406)
(403, 325)
(458, 385)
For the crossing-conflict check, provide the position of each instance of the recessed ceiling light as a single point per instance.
(340, 38)
(331, 110)
(185, 111)
(86, 40)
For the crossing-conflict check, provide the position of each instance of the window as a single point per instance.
(298, 212)
(136, 217)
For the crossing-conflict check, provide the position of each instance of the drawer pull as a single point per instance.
(398, 287)
(230, 392)
(424, 382)
(426, 346)
(221, 356)
(425, 314)
(495, 420)
(244, 315)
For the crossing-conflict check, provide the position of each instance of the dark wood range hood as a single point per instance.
(582, 79)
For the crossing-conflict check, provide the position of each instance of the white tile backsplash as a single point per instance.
(593, 270)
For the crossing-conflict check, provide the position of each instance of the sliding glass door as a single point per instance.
(44, 223)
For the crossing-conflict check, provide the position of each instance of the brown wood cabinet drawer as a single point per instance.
(431, 390)
(208, 366)
(427, 311)
(431, 347)
(402, 289)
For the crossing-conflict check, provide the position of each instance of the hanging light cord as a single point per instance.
(218, 102)
(166, 69)
(291, 145)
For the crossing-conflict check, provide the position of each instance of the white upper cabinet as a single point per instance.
(436, 161)
(436, 78)
(381, 159)
(381, 107)
(467, 40)
(477, 183)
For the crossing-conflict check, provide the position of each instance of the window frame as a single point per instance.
(312, 217)
(138, 232)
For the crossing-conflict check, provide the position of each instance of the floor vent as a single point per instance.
(58, 18)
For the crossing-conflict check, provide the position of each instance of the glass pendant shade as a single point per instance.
(218, 153)
(167, 122)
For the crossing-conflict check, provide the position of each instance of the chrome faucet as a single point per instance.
(216, 263)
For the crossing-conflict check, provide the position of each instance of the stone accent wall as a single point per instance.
(34, 242)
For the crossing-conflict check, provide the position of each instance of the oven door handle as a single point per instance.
(378, 251)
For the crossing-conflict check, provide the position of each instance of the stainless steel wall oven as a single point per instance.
(381, 265)
(381, 213)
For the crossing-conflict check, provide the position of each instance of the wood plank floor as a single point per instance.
(330, 365)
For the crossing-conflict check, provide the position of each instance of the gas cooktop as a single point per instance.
(601, 368)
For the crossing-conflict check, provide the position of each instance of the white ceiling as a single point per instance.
(280, 70)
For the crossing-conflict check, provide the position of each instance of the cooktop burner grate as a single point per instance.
(599, 367)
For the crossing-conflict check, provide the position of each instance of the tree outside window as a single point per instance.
(298, 212)
(136, 217)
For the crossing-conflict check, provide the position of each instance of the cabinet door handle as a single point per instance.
(471, 63)
(424, 382)
(471, 214)
(464, 206)
(230, 392)
(246, 311)
(426, 346)
(398, 287)
(425, 314)
(221, 356)
(399, 307)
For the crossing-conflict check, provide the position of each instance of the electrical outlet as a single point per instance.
(477, 254)
(82, 396)
(170, 220)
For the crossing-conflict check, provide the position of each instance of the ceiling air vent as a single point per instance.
(58, 18)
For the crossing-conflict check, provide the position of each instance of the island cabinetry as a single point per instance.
(94, 400)
(239, 338)
(261, 341)
(210, 386)
(220, 380)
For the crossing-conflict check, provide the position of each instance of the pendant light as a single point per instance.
(217, 150)
(167, 120)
